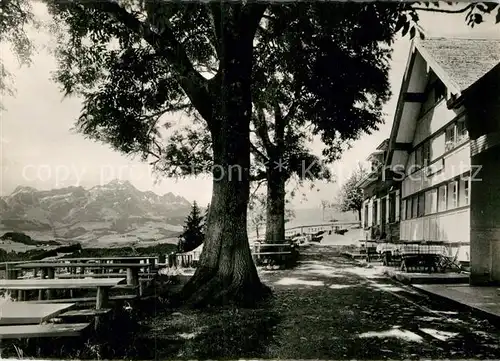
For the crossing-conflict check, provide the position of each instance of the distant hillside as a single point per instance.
(113, 213)
(311, 216)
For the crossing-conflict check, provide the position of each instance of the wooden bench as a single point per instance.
(46, 330)
(87, 299)
(86, 312)
(102, 285)
(103, 275)
(22, 313)
(132, 268)
(127, 259)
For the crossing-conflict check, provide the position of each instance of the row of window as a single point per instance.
(393, 200)
(445, 197)
(453, 136)
(439, 199)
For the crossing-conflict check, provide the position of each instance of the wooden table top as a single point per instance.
(46, 330)
(111, 258)
(86, 265)
(21, 313)
(59, 283)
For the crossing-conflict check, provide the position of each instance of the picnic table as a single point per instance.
(151, 260)
(49, 268)
(428, 256)
(25, 320)
(103, 286)
(22, 313)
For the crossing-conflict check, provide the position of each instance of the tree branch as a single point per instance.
(258, 153)
(261, 176)
(279, 133)
(259, 183)
(293, 107)
(165, 44)
(214, 13)
(437, 10)
(251, 15)
(262, 130)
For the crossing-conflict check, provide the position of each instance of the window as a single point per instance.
(437, 146)
(375, 212)
(418, 158)
(431, 201)
(414, 210)
(452, 195)
(456, 134)
(450, 138)
(462, 134)
(411, 163)
(442, 198)
(403, 207)
(397, 210)
(392, 207)
(408, 208)
(464, 191)
(426, 150)
(366, 216)
(421, 205)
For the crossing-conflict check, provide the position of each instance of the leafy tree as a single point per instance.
(256, 214)
(133, 61)
(193, 235)
(351, 195)
(14, 17)
(259, 212)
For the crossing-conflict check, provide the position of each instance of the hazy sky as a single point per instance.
(39, 149)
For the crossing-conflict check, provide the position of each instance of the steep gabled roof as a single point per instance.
(458, 62)
(383, 146)
(463, 60)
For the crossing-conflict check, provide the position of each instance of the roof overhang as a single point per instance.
(369, 178)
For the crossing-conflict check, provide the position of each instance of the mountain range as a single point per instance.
(116, 212)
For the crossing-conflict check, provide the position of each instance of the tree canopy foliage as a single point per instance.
(351, 195)
(15, 15)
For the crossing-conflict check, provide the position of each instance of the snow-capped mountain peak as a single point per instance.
(117, 202)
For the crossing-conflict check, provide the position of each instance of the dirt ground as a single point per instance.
(328, 308)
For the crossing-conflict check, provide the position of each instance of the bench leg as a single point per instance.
(102, 299)
(50, 275)
(132, 276)
(141, 288)
(43, 274)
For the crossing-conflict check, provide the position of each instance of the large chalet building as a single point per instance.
(439, 176)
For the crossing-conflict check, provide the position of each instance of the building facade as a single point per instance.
(380, 214)
(440, 150)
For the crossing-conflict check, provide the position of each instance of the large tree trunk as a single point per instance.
(275, 217)
(226, 273)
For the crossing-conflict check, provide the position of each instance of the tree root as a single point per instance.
(211, 291)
